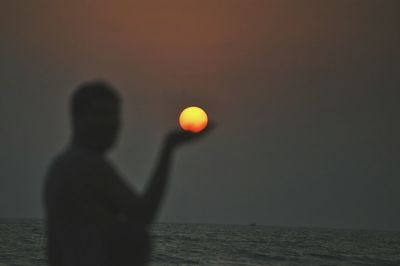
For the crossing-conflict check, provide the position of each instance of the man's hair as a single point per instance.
(91, 92)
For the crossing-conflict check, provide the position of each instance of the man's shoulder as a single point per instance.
(73, 168)
(73, 161)
(79, 162)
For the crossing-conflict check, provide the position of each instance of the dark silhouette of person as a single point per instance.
(92, 216)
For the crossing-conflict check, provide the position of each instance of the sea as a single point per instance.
(22, 242)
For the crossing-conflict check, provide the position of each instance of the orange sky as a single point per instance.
(186, 49)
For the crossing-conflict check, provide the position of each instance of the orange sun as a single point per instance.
(193, 119)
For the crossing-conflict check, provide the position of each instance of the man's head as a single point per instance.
(95, 110)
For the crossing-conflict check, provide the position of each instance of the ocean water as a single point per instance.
(23, 242)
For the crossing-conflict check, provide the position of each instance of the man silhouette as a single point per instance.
(92, 216)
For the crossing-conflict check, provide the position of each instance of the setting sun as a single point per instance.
(193, 119)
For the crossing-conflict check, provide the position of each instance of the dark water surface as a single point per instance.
(22, 242)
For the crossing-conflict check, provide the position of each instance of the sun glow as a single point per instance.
(193, 119)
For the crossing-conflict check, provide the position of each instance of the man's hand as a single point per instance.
(178, 136)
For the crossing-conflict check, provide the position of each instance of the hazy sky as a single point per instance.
(305, 93)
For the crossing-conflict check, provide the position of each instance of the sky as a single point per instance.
(304, 94)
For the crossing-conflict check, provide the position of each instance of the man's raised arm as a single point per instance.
(153, 194)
